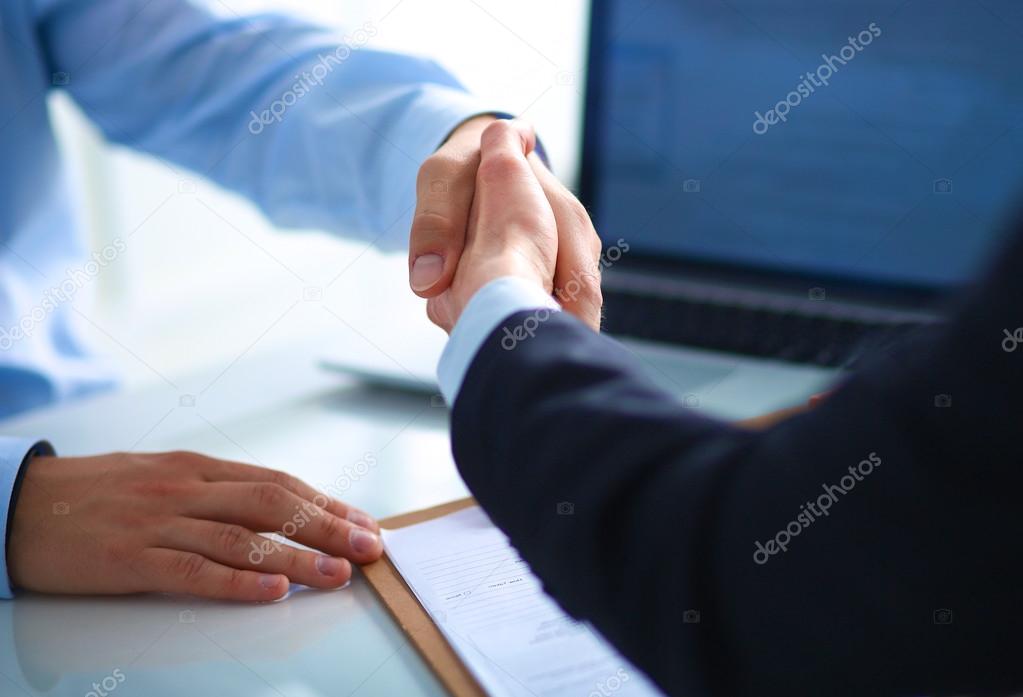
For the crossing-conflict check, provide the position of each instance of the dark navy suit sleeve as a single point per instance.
(638, 514)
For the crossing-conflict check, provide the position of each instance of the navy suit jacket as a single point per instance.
(693, 545)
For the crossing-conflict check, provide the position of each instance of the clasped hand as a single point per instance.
(520, 221)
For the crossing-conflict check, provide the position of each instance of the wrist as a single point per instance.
(483, 272)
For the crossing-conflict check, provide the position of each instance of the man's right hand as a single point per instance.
(448, 193)
(520, 221)
(179, 523)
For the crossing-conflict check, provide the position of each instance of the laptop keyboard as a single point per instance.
(818, 333)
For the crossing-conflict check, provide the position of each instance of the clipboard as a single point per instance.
(413, 619)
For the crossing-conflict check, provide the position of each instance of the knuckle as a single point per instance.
(156, 490)
(179, 460)
(581, 288)
(283, 480)
(432, 313)
(187, 566)
(436, 167)
(592, 292)
(500, 167)
(577, 210)
(114, 554)
(333, 527)
(182, 457)
(432, 222)
(501, 128)
(230, 538)
(269, 495)
(233, 583)
(292, 564)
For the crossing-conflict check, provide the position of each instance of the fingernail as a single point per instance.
(362, 541)
(361, 519)
(269, 581)
(329, 566)
(426, 270)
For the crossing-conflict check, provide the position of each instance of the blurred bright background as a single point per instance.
(206, 279)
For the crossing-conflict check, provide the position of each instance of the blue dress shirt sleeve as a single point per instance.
(317, 127)
(491, 305)
(14, 454)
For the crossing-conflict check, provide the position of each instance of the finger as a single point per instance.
(444, 192)
(512, 213)
(227, 471)
(577, 271)
(240, 548)
(267, 507)
(174, 571)
(504, 171)
(818, 399)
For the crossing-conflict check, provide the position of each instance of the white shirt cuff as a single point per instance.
(14, 452)
(491, 305)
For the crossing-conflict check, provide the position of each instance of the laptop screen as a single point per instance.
(877, 142)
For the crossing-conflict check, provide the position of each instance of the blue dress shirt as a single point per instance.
(317, 128)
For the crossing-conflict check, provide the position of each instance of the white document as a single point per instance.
(493, 611)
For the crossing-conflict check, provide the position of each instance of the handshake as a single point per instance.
(183, 523)
(488, 208)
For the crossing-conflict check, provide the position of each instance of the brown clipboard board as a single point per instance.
(406, 610)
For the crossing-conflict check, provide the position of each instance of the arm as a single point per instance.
(670, 511)
(319, 129)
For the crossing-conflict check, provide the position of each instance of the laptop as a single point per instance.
(785, 187)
